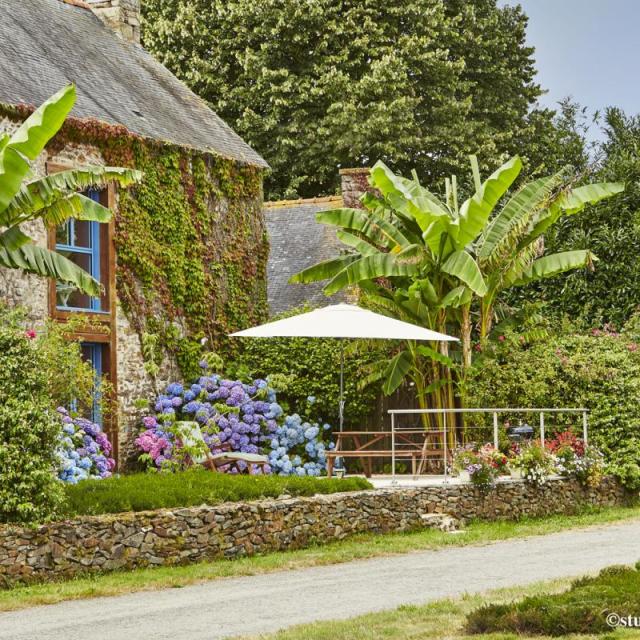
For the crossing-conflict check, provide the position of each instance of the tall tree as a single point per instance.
(315, 85)
(611, 292)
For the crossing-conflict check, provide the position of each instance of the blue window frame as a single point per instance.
(92, 352)
(79, 241)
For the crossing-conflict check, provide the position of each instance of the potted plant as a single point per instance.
(463, 459)
(534, 462)
(482, 474)
(496, 459)
(585, 464)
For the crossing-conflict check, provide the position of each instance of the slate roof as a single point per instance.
(297, 242)
(44, 44)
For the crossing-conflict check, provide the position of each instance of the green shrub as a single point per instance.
(582, 609)
(139, 492)
(69, 377)
(600, 372)
(29, 431)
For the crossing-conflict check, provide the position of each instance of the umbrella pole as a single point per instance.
(339, 464)
(341, 406)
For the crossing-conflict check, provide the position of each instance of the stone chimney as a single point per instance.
(354, 182)
(123, 16)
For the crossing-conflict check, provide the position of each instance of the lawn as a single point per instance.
(354, 548)
(440, 620)
(144, 491)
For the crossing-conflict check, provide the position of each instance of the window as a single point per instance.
(91, 246)
(93, 353)
(86, 244)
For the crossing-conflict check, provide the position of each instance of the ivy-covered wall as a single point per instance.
(191, 246)
(191, 241)
(192, 250)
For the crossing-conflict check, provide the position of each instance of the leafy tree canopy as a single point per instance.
(315, 85)
(611, 229)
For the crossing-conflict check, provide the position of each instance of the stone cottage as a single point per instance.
(298, 241)
(184, 260)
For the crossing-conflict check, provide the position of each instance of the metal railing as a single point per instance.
(496, 427)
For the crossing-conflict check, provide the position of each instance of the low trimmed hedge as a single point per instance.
(583, 609)
(145, 491)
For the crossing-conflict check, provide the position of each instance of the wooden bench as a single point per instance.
(225, 460)
(230, 461)
(408, 449)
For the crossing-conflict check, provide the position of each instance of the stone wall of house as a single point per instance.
(169, 537)
(32, 292)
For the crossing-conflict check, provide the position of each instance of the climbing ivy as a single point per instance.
(191, 243)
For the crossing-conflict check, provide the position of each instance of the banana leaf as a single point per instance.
(29, 140)
(462, 265)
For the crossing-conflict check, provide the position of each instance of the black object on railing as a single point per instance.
(520, 433)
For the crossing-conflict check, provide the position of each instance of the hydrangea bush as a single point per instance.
(298, 448)
(235, 416)
(84, 451)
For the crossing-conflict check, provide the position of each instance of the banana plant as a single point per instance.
(442, 264)
(51, 199)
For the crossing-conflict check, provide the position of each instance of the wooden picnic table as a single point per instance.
(368, 445)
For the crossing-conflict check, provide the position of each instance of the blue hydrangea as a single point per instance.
(254, 423)
(83, 451)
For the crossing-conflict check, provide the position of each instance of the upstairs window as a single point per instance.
(85, 244)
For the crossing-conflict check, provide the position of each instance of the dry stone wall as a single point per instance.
(170, 537)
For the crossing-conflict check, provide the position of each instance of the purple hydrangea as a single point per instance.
(237, 416)
(84, 450)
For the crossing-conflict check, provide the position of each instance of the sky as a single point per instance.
(587, 49)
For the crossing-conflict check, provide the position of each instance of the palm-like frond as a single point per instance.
(396, 371)
(506, 229)
(361, 245)
(323, 270)
(476, 211)
(29, 140)
(462, 265)
(52, 199)
(380, 265)
(374, 227)
(554, 264)
(45, 193)
(570, 202)
(42, 262)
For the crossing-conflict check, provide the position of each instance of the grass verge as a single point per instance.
(440, 620)
(354, 548)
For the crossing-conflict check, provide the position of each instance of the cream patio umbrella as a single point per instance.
(343, 321)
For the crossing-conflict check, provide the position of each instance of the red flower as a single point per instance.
(30, 333)
(501, 338)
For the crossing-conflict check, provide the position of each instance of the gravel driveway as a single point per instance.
(255, 604)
